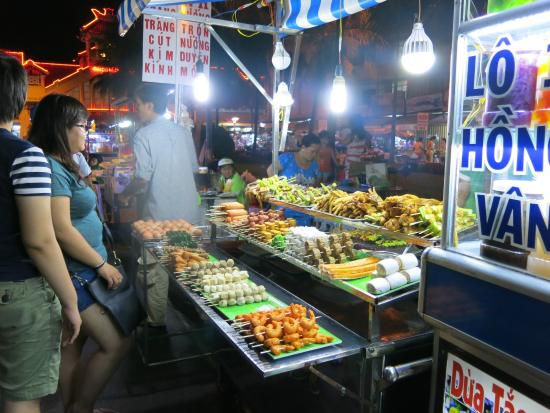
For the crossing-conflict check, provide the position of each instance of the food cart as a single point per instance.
(378, 339)
(487, 294)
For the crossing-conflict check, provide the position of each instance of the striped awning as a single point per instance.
(299, 14)
(130, 10)
(304, 14)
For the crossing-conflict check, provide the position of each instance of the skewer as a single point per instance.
(256, 345)
(265, 351)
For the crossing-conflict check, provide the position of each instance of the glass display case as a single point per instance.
(499, 163)
(486, 291)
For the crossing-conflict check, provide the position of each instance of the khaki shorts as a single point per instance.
(30, 338)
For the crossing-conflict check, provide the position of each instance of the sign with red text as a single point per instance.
(193, 42)
(159, 48)
(469, 389)
(171, 48)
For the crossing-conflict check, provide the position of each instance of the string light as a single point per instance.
(418, 52)
(339, 93)
(201, 84)
(283, 96)
(280, 58)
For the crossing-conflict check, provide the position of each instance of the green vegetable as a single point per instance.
(181, 239)
(279, 242)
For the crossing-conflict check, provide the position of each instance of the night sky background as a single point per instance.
(46, 30)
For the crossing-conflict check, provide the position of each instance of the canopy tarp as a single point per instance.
(130, 10)
(304, 14)
(299, 14)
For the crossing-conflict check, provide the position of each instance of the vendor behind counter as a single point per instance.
(302, 166)
(230, 180)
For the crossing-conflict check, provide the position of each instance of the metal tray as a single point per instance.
(380, 300)
(267, 367)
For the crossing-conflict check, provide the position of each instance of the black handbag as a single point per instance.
(122, 303)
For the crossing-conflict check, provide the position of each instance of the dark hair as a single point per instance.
(157, 95)
(13, 88)
(361, 133)
(53, 116)
(309, 139)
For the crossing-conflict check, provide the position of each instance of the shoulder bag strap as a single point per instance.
(107, 234)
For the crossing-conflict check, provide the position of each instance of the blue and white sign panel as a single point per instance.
(304, 14)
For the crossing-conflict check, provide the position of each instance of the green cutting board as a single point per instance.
(234, 311)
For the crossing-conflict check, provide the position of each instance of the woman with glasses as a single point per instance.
(59, 129)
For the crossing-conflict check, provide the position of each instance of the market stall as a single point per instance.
(487, 293)
(365, 261)
(348, 292)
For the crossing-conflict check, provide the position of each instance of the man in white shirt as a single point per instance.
(165, 161)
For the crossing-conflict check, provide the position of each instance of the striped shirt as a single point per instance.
(356, 150)
(24, 171)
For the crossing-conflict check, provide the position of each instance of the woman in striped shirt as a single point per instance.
(31, 263)
(356, 150)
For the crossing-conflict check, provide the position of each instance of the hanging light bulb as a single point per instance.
(201, 84)
(339, 93)
(418, 52)
(283, 96)
(281, 58)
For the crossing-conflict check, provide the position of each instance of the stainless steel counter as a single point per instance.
(351, 342)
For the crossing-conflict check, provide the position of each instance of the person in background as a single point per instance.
(59, 130)
(340, 163)
(418, 148)
(31, 263)
(327, 157)
(165, 154)
(356, 151)
(301, 165)
(442, 149)
(230, 180)
(430, 149)
(83, 166)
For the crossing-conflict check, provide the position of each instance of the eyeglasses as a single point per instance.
(82, 126)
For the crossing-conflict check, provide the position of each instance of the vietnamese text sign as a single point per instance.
(159, 49)
(510, 143)
(193, 41)
(171, 48)
(470, 389)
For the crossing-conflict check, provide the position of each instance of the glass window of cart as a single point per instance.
(499, 168)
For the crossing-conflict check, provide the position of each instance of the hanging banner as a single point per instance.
(171, 48)
(468, 389)
(193, 42)
(159, 49)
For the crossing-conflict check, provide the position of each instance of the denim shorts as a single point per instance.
(83, 296)
(30, 339)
